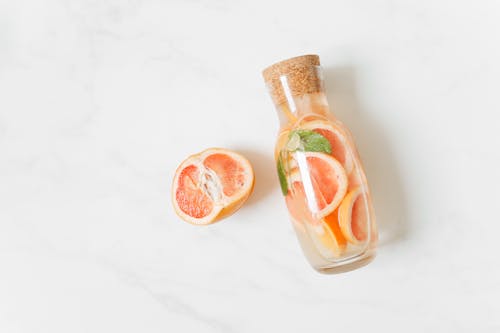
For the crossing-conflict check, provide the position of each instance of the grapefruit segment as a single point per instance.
(211, 185)
(354, 215)
(230, 173)
(191, 199)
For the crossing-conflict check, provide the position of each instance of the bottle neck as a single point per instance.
(299, 93)
(299, 107)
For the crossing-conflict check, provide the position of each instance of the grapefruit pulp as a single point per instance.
(211, 185)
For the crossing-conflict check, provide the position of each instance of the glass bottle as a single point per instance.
(319, 169)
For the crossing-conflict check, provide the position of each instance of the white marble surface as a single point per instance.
(100, 100)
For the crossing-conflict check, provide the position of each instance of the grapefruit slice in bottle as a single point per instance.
(211, 185)
(316, 211)
(324, 181)
(324, 233)
(337, 139)
(318, 184)
(354, 216)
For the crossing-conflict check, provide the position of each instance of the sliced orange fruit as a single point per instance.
(211, 185)
(354, 215)
(338, 141)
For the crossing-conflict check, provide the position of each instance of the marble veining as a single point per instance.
(100, 101)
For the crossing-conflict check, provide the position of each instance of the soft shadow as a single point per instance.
(265, 174)
(380, 165)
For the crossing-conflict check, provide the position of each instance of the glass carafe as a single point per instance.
(319, 170)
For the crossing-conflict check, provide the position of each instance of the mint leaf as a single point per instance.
(282, 176)
(312, 141)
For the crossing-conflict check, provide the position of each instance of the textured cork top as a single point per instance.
(298, 75)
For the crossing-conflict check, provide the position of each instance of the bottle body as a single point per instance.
(323, 182)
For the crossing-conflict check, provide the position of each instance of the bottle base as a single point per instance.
(342, 267)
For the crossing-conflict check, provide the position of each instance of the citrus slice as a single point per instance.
(324, 181)
(354, 215)
(325, 233)
(211, 185)
(337, 139)
(317, 186)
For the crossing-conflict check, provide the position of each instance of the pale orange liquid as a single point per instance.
(327, 193)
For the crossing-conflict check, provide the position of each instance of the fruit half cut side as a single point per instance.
(211, 185)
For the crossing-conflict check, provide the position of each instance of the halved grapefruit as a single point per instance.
(338, 141)
(211, 185)
(354, 215)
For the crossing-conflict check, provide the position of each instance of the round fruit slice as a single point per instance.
(337, 139)
(317, 186)
(324, 181)
(354, 215)
(211, 185)
(325, 233)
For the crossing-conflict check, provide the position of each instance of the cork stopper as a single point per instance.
(293, 77)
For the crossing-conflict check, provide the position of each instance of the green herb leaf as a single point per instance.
(312, 141)
(282, 176)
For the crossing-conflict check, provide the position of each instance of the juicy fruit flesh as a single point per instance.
(211, 185)
(321, 173)
(191, 199)
(319, 190)
(231, 174)
(338, 148)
